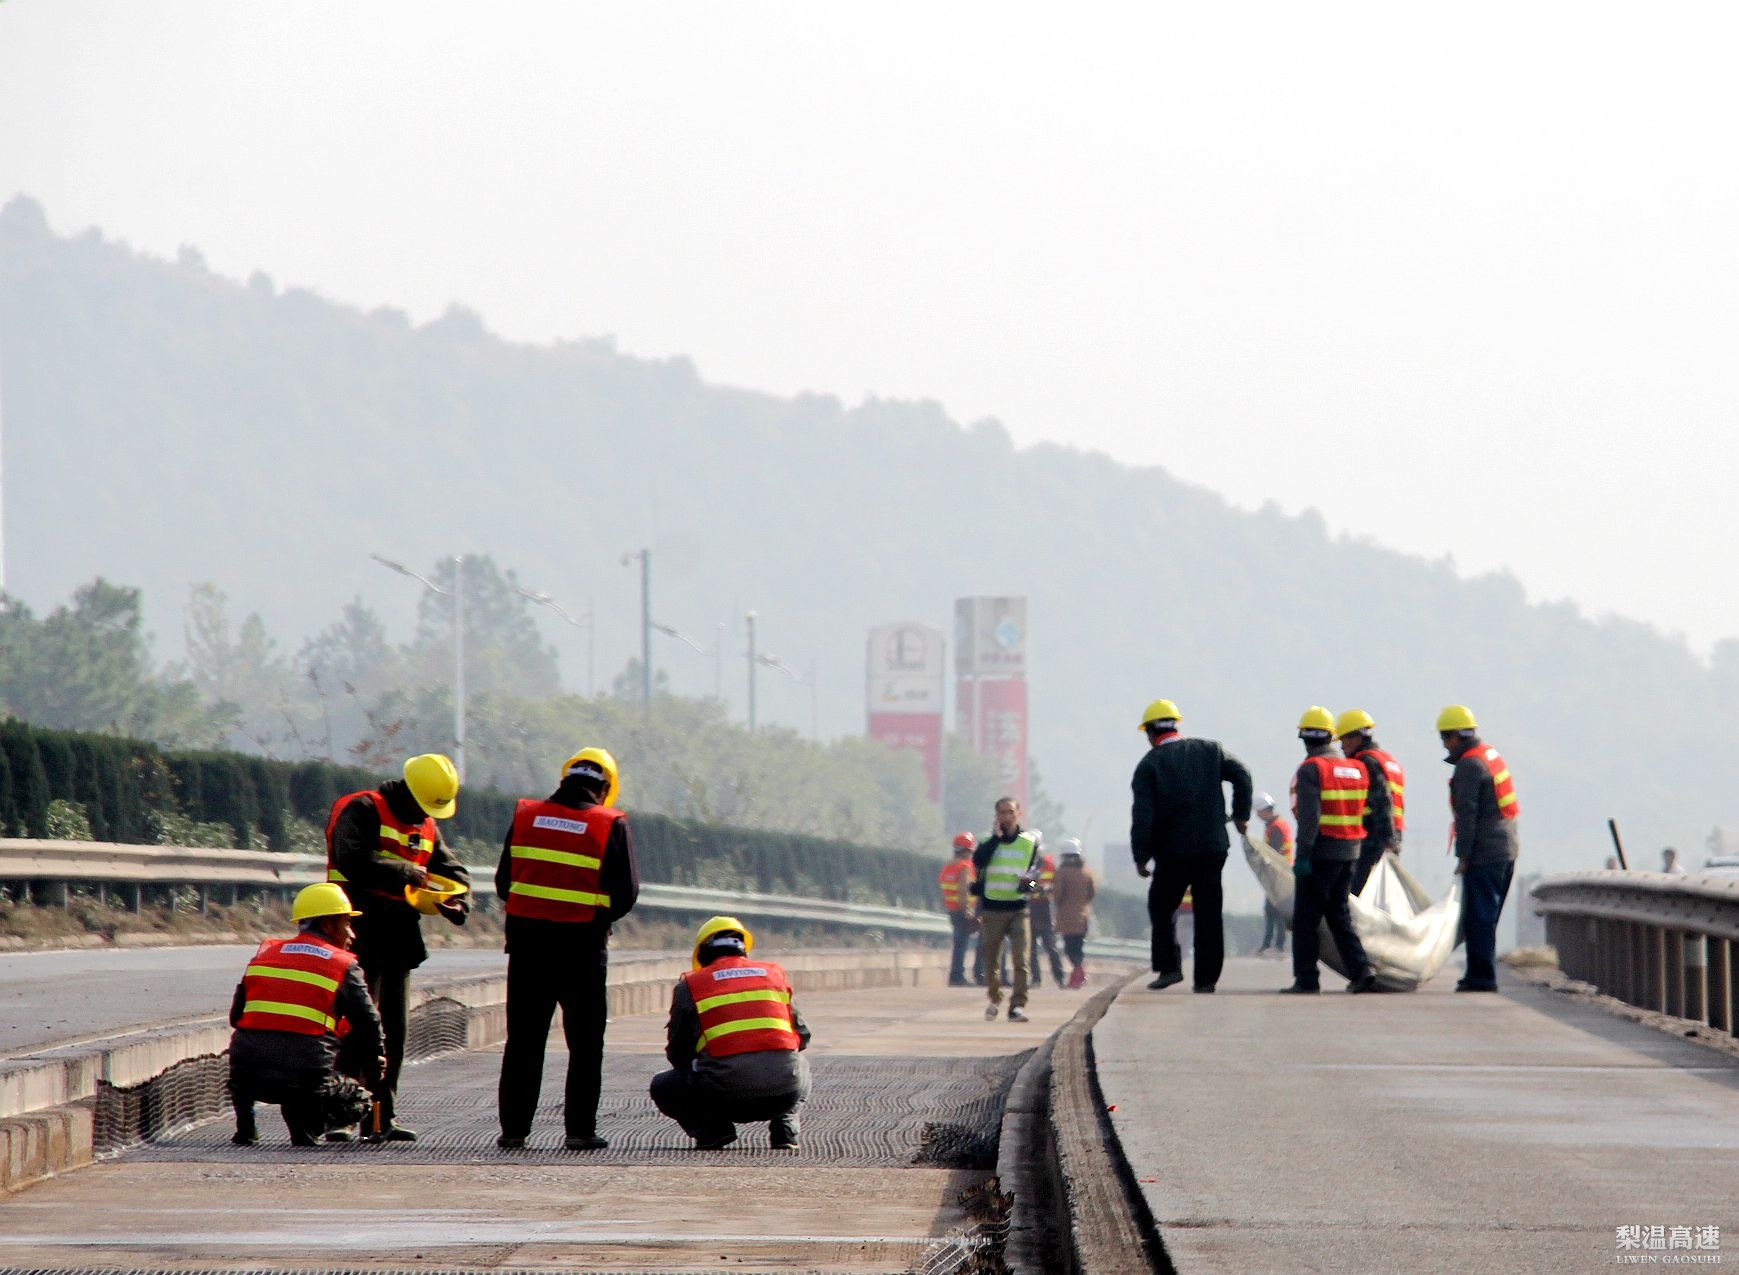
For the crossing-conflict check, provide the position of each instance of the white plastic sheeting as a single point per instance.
(1407, 937)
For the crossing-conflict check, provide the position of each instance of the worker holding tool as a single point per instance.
(1006, 864)
(956, 880)
(382, 845)
(567, 874)
(1177, 834)
(295, 997)
(1329, 798)
(1355, 731)
(1482, 798)
(734, 1042)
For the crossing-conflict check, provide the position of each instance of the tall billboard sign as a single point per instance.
(990, 664)
(904, 692)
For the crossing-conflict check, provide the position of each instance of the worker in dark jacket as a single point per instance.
(294, 998)
(1177, 834)
(1482, 797)
(1006, 872)
(380, 844)
(567, 874)
(1331, 794)
(1387, 818)
(734, 1043)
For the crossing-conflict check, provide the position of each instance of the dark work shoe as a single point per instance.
(1365, 982)
(959, 982)
(339, 1135)
(715, 1141)
(584, 1142)
(1465, 986)
(510, 1142)
(1204, 988)
(1017, 1015)
(1166, 979)
(782, 1133)
(246, 1137)
(1299, 989)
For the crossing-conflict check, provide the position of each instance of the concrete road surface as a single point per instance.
(1422, 1132)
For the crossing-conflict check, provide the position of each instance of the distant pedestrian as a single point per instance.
(1177, 835)
(1329, 799)
(1670, 863)
(1482, 797)
(955, 881)
(1277, 835)
(1006, 863)
(1072, 901)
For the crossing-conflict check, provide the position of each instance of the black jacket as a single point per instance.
(1179, 809)
(1482, 835)
(618, 877)
(981, 861)
(1307, 791)
(1379, 806)
(389, 933)
(292, 1058)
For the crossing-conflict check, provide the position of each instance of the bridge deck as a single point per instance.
(1422, 1132)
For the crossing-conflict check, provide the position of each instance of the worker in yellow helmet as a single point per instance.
(383, 847)
(1177, 833)
(294, 999)
(1385, 817)
(567, 874)
(1482, 798)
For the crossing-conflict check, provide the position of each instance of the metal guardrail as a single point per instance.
(58, 864)
(1659, 942)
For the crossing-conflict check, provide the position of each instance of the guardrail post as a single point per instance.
(1673, 972)
(134, 895)
(1696, 988)
(1720, 985)
(1657, 969)
(1636, 975)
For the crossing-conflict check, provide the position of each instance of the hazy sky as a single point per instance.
(1462, 277)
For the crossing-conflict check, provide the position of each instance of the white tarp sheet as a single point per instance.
(1406, 936)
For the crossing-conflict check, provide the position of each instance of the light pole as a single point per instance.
(581, 622)
(717, 653)
(457, 593)
(645, 556)
(749, 620)
(758, 660)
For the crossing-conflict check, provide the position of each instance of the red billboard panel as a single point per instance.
(1001, 729)
(919, 732)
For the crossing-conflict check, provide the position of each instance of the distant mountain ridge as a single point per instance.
(164, 425)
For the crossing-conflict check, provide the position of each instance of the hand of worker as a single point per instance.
(1460, 866)
(1301, 869)
(1242, 825)
(379, 1068)
(1143, 869)
(455, 911)
(419, 876)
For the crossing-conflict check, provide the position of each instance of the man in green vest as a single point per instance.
(1007, 864)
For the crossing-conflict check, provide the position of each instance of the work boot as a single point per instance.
(1206, 989)
(1365, 982)
(249, 1137)
(716, 1140)
(510, 1142)
(782, 1132)
(1299, 989)
(1165, 979)
(1078, 976)
(584, 1142)
(339, 1135)
(1017, 1015)
(959, 982)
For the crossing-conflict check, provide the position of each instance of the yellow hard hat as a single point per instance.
(1456, 717)
(593, 760)
(325, 899)
(721, 925)
(428, 897)
(434, 783)
(1351, 720)
(1316, 717)
(1159, 711)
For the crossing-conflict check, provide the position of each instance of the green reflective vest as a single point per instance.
(1008, 863)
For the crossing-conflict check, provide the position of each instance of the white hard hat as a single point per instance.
(1264, 801)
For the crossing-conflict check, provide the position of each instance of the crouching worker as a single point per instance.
(733, 1041)
(305, 1027)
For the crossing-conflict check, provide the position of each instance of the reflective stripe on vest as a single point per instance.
(556, 860)
(1397, 780)
(407, 843)
(1047, 870)
(952, 886)
(1008, 863)
(1503, 787)
(1345, 787)
(291, 985)
(744, 1007)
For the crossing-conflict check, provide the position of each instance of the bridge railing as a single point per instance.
(54, 866)
(1659, 942)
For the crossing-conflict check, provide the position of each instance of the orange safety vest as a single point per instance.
(412, 843)
(1502, 785)
(953, 888)
(557, 860)
(1397, 779)
(1285, 829)
(1047, 871)
(1345, 787)
(292, 984)
(744, 1007)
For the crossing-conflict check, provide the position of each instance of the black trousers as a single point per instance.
(1322, 896)
(310, 1109)
(963, 929)
(1273, 927)
(1075, 948)
(390, 989)
(1046, 939)
(1199, 874)
(704, 1113)
(1369, 858)
(535, 986)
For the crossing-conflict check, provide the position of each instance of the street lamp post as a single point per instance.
(457, 593)
(645, 556)
(749, 619)
(579, 622)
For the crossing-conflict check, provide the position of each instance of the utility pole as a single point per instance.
(749, 619)
(645, 556)
(459, 664)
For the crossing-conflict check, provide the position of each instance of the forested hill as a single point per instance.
(164, 425)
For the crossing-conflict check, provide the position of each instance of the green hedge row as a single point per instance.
(126, 786)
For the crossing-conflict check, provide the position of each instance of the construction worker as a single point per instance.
(381, 843)
(1482, 798)
(1330, 794)
(1007, 867)
(293, 1000)
(1354, 729)
(1277, 836)
(734, 1043)
(566, 875)
(1039, 913)
(956, 880)
(1072, 897)
(1177, 834)
(1670, 864)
